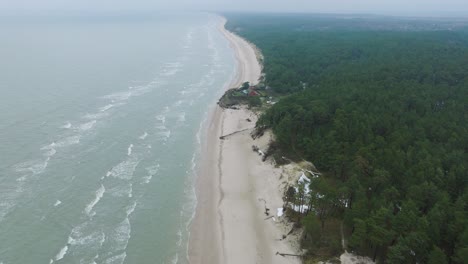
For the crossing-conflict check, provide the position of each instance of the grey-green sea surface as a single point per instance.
(100, 128)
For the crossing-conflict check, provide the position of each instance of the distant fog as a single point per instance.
(387, 7)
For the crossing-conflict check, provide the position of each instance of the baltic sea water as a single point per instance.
(100, 127)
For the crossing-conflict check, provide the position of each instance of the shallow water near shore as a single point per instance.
(100, 132)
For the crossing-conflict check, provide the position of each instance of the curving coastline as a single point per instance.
(234, 186)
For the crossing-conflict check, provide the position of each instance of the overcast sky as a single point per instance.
(394, 7)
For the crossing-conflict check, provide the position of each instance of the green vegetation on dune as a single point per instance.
(382, 111)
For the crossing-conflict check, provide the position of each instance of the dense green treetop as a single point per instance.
(380, 106)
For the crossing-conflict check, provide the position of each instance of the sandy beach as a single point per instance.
(234, 186)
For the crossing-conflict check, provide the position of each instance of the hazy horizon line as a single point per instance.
(87, 12)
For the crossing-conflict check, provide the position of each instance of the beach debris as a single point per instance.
(259, 151)
(233, 133)
(289, 233)
(280, 212)
(248, 120)
(267, 210)
(269, 217)
(258, 132)
(288, 255)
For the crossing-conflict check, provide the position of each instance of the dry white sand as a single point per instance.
(234, 186)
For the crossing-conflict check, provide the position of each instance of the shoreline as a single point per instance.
(234, 186)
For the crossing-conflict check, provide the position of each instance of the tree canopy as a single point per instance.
(382, 111)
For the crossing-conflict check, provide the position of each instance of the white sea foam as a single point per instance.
(125, 169)
(96, 116)
(94, 259)
(179, 240)
(68, 141)
(131, 208)
(129, 150)
(169, 72)
(161, 127)
(105, 108)
(119, 96)
(175, 259)
(117, 259)
(57, 203)
(142, 137)
(50, 152)
(22, 178)
(121, 234)
(164, 135)
(34, 167)
(85, 235)
(67, 125)
(151, 171)
(161, 119)
(181, 117)
(122, 190)
(99, 194)
(87, 126)
(61, 253)
(82, 237)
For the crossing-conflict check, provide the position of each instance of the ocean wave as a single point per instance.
(61, 253)
(170, 72)
(124, 170)
(57, 203)
(129, 150)
(175, 259)
(142, 137)
(122, 190)
(151, 171)
(81, 237)
(119, 96)
(87, 126)
(161, 119)
(67, 125)
(50, 152)
(164, 135)
(34, 167)
(96, 116)
(99, 194)
(105, 108)
(66, 142)
(117, 259)
(131, 208)
(120, 236)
